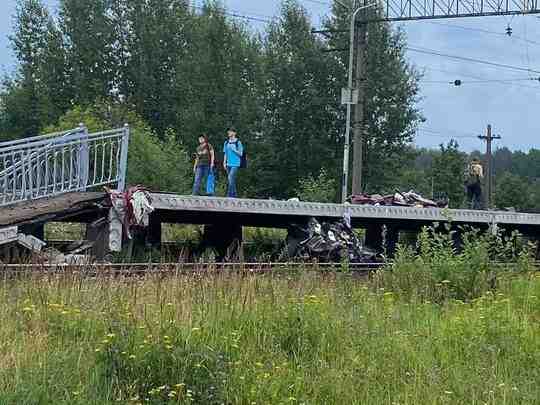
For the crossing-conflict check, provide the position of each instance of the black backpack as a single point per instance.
(244, 159)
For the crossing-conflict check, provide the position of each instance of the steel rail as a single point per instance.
(139, 269)
(148, 269)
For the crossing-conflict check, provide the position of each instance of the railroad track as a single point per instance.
(143, 269)
(170, 269)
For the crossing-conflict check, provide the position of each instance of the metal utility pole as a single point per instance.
(349, 97)
(359, 119)
(489, 138)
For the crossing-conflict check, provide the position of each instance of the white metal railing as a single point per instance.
(62, 162)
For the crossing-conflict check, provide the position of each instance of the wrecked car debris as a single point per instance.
(133, 208)
(328, 242)
(408, 199)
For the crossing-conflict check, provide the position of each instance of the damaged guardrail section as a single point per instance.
(63, 162)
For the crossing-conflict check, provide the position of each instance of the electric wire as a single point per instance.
(482, 81)
(482, 30)
(527, 45)
(238, 14)
(448, 133)
(495, 81)
(322, 3)
(468, 59)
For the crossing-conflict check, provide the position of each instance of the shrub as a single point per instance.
(322, 188)
(157, 163)
(439, 271)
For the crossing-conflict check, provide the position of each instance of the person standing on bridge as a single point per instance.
(204, 163)
(473, 184)
(233, 151)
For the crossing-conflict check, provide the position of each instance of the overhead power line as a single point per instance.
(482, 30)
(235, 14)
(482, 81)
(473, 60)
(495, 81)
(445, 55)
(447, 133)
(322, 3)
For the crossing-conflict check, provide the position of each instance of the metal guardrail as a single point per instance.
(62, 162)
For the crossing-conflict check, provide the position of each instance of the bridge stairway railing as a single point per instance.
(63, 162)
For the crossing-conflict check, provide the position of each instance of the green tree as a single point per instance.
(219, 83)
(38, 92)
(89, 33)
(392, 88)
(159, 164)
(448, 169)
(512, 191)
(301, 133)
(158, 38)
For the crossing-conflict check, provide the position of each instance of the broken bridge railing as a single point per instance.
(62, 162)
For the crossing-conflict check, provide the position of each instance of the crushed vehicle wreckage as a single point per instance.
(327, 242)
(399, 199)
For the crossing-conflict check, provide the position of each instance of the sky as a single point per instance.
(507, 99)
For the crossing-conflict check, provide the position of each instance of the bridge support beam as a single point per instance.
(36, 230)
(382, 238)
(153, 232)
(226, 238)
(98, 233)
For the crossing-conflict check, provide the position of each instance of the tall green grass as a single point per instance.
(276, 339)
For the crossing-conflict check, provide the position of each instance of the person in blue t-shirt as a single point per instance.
(233, 150)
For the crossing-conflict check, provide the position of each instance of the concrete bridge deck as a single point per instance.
(172, 208)
(226, 217)
(59, 208)
(272, 213)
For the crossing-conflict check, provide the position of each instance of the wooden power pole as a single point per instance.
(489, 138)
(359, 127)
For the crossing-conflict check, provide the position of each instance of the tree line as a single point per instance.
(174, 71)
(183, 71)
(440, 174)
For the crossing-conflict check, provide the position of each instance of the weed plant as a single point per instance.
(441, 269)
(435, 330)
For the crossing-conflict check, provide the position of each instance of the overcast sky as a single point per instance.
(512, 107)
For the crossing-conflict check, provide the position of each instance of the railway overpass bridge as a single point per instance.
(225, 217)
(50, 178)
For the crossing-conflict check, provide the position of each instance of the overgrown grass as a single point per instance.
(437, 270)
(275, 339)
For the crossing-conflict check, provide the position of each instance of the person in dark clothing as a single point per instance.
(473, 184)
(204, 162)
